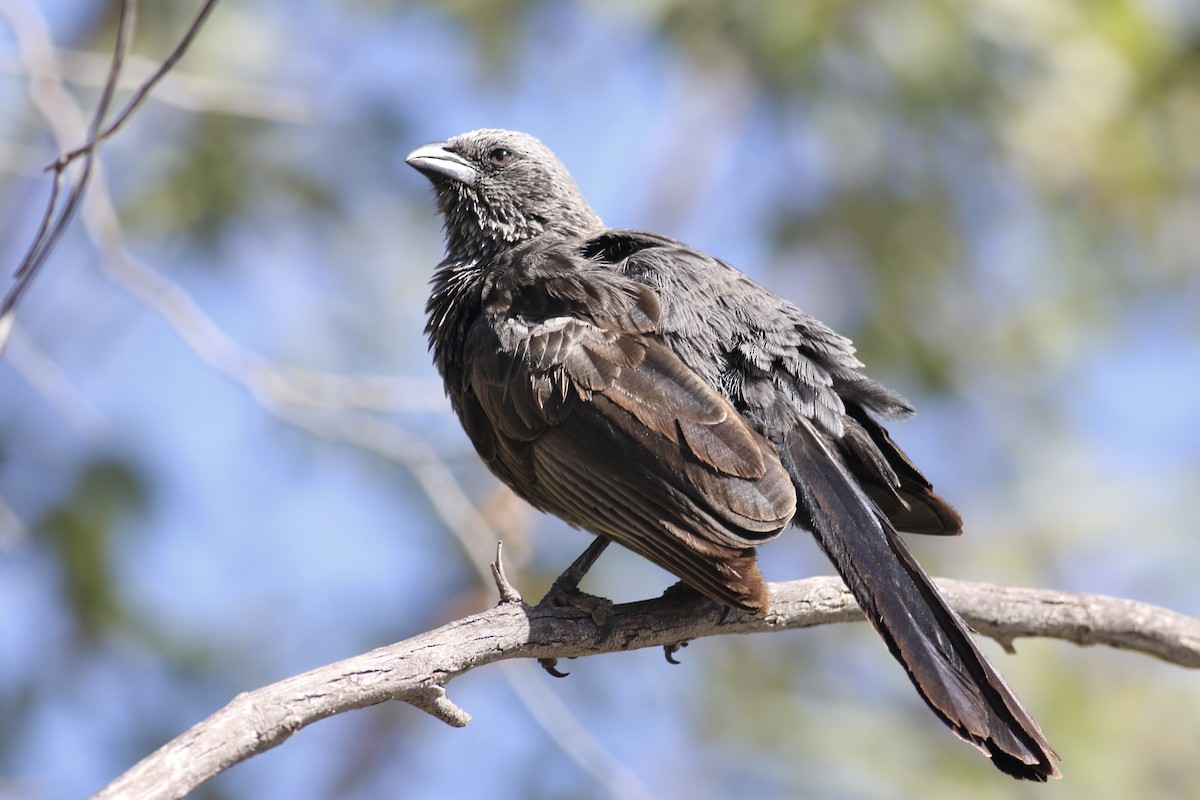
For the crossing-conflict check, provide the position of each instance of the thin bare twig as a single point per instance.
(48, 235)
(52, 227)
(417, 670)
(143, 91)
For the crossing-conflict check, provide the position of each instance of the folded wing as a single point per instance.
(575, 403)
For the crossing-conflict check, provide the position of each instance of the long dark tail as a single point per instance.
(923, 633)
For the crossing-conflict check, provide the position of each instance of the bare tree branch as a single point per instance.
(417, 669)
(1005, 613)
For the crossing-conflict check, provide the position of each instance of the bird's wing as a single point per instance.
(574, 402)
(779, 367)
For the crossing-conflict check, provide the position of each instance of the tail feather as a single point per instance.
(921, 631)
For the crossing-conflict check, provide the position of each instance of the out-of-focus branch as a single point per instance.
(196, 93)
(270, 383)
(12, 530)
(417, 670)
(55, 386)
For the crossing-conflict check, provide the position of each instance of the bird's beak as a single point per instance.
(434, 161)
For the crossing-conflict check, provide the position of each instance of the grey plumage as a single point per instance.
(654, 395)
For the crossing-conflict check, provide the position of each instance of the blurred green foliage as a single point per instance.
(81, 531)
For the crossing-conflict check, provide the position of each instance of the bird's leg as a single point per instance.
(569, 580)
(565, 589)
(565, 592)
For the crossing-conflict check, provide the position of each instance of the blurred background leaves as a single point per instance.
(215, 482)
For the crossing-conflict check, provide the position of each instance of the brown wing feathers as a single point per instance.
(603, 406)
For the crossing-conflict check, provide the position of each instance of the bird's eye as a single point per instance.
(499, 156)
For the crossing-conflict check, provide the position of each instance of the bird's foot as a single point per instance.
(565, 594)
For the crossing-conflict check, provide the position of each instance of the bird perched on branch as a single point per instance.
(659, 398)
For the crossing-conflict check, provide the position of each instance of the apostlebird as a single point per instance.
(657, 397)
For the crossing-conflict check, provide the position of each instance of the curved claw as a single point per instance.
(551, 666)
(669, 650)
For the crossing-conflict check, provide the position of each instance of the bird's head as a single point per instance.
(496, 188)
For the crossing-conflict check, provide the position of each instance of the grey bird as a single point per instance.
(659, 398)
